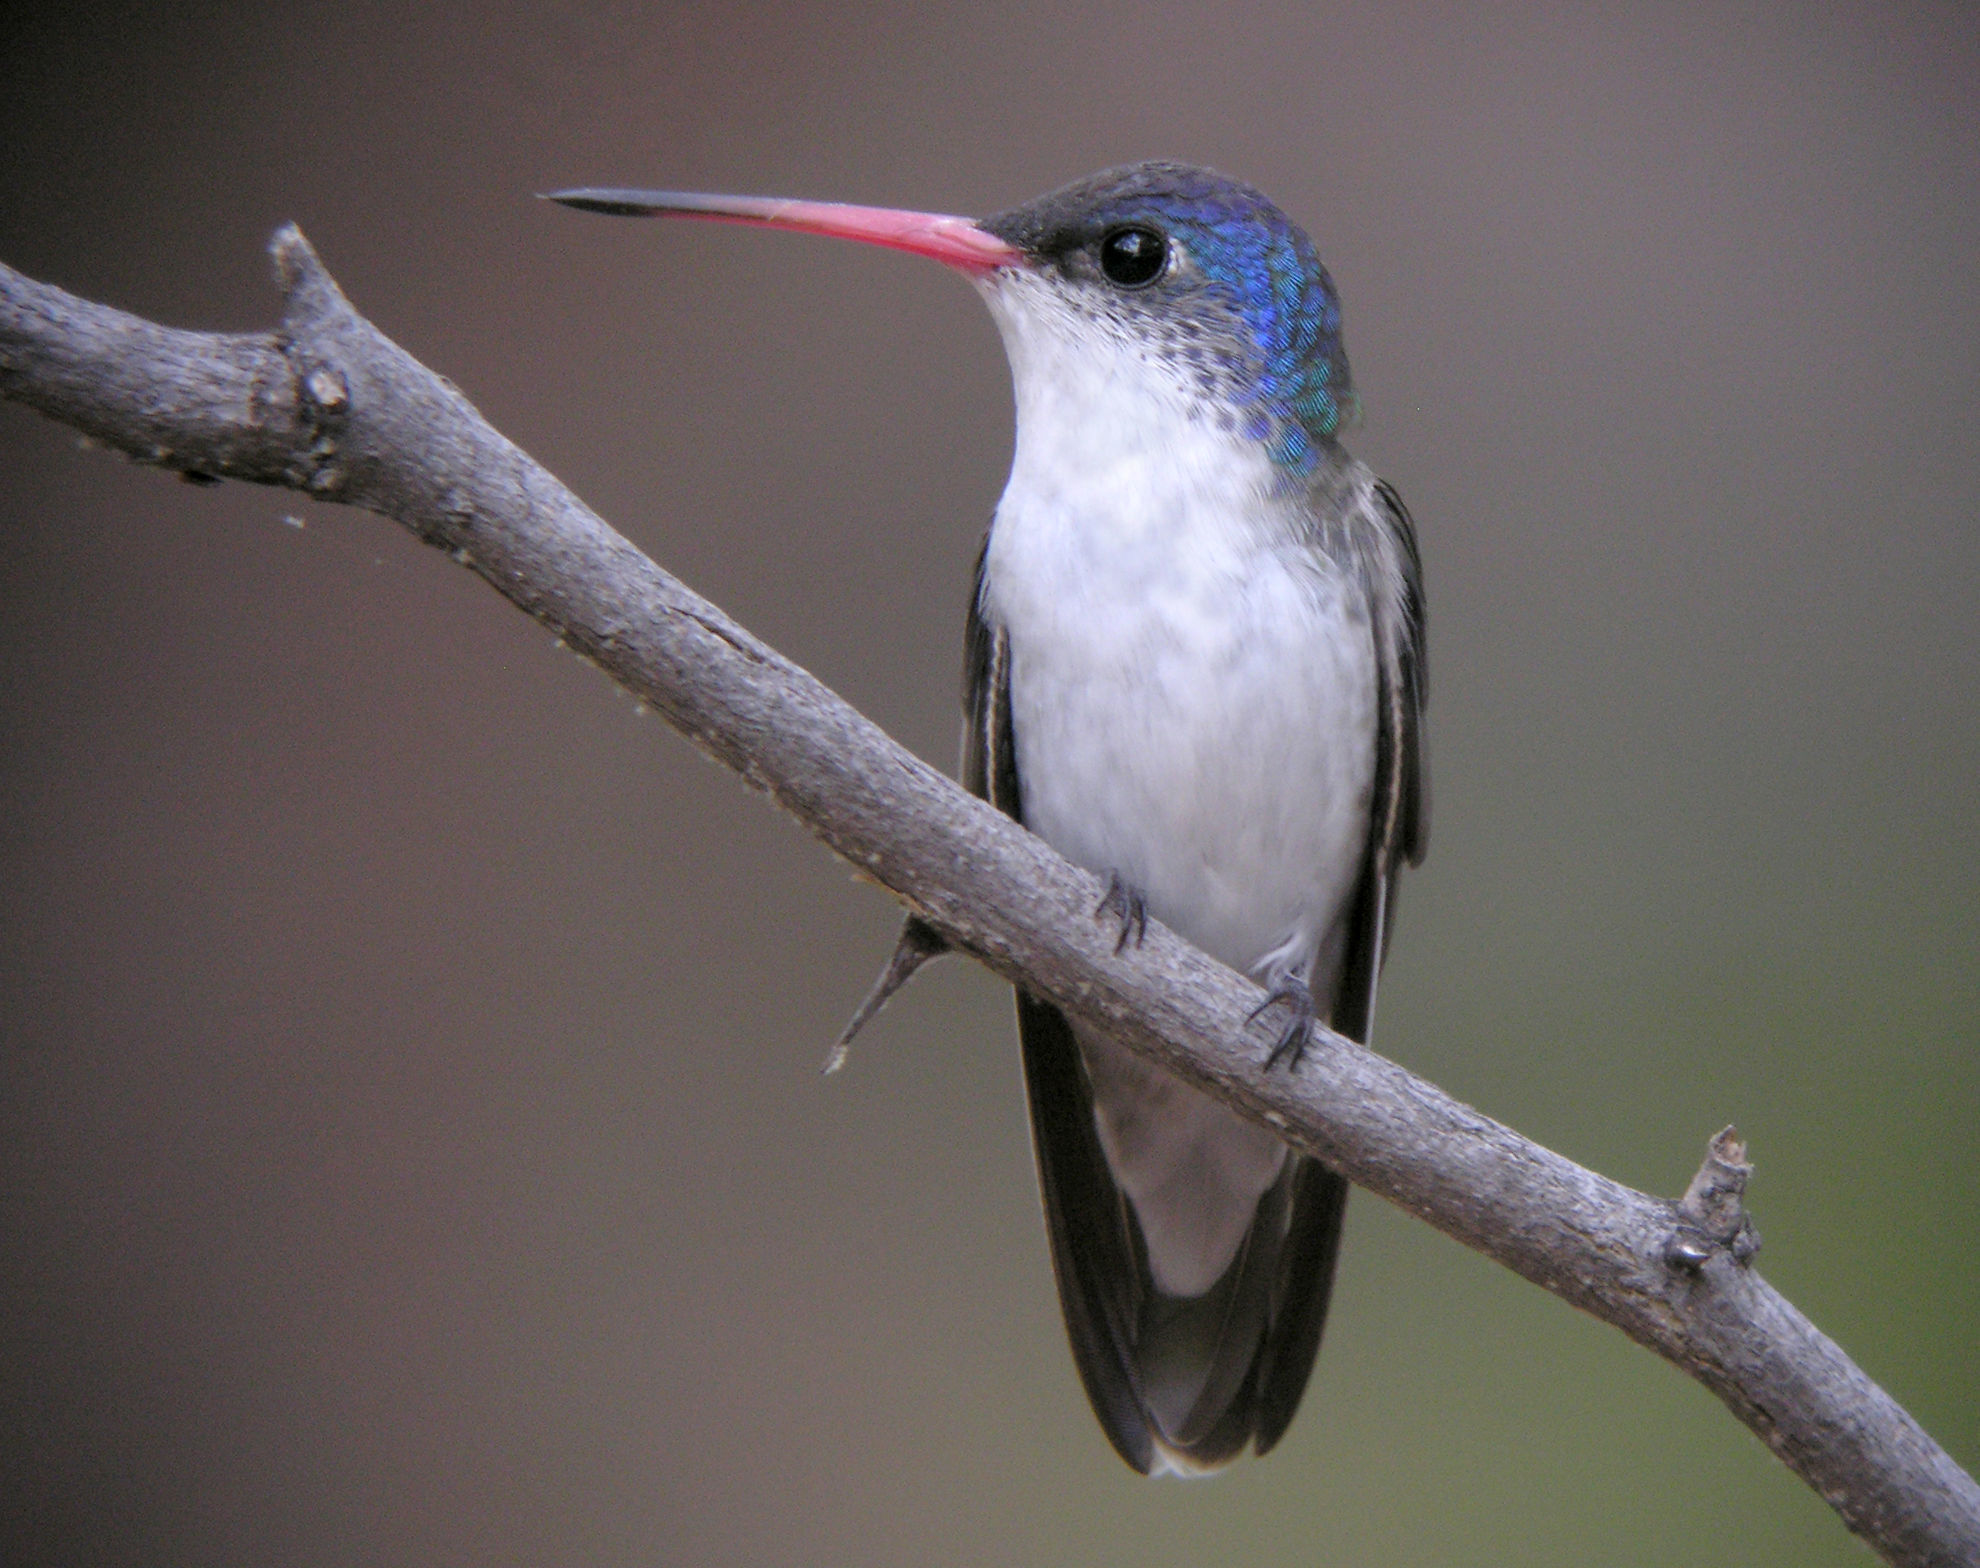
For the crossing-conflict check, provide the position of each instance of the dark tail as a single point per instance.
(1181, 1384)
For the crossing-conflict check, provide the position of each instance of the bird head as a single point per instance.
(1179, 282)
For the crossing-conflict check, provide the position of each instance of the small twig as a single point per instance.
(915, 946)
(1712, 1213)
(330, 406)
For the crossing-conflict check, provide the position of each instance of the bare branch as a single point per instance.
(329, 406)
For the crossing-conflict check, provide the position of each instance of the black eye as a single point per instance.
(1133, 258)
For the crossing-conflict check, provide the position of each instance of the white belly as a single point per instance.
(1197, 717)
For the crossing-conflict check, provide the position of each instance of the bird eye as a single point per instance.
(1133, 257)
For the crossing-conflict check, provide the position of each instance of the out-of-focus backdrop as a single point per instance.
(412, 1148)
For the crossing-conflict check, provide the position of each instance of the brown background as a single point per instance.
(411, 1148)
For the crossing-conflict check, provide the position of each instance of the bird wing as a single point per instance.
(1085, 1212)
(1399, 830)
(1411, 682)
(1399, 806)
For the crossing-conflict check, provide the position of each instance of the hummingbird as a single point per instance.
(1194, 665)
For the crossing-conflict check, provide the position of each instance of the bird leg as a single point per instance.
(1298, 998)
(1126, 906)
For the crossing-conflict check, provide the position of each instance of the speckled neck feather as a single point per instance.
(1288, 369)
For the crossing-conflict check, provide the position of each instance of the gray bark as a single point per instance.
(329, 406)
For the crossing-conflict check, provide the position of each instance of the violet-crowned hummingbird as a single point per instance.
(1195, 666)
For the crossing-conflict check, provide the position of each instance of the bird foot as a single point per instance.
(917, 943)
(1126, 906)
(1298, 999)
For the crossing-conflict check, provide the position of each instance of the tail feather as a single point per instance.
(1181, 1384)
(1092, 1252)
(1304, 1286)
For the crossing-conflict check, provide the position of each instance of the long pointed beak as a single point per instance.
(956, 242)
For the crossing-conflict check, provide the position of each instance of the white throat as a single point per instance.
(1106, 423)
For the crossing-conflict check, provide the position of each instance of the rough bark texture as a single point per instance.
(330, 406)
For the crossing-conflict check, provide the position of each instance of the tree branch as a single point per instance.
(329, 406)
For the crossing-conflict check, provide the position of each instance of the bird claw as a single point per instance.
(1126, 906)
(1298, 998)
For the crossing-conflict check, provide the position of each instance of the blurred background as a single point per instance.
(412, 1148)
